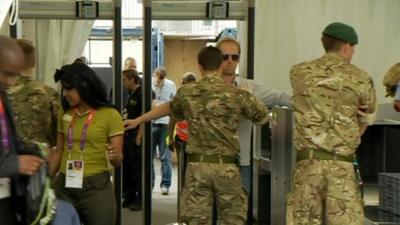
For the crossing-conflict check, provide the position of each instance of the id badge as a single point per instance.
(74, 175)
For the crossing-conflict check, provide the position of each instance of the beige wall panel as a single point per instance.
(180, 56)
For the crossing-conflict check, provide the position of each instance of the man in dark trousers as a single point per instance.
(132, 162)
(16, 159)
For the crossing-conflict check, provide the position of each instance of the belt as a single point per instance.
(159, 125)
(211, 158)
(323, 155)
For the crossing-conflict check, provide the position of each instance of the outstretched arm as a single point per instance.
(156, 112)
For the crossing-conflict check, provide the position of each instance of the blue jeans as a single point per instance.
(65, 214)
(245, 174)
(160, 132)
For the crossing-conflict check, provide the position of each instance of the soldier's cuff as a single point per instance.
(366, 118)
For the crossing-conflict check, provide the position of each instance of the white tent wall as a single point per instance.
(5, 27)
(58, 42)
(4, 9)
(288, 32)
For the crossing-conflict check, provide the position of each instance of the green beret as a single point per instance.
(341, 31)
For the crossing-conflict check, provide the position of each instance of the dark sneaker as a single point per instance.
(135, 207)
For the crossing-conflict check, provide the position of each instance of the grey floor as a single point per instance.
(164, 207)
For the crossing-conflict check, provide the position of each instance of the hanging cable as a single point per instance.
(14, 12)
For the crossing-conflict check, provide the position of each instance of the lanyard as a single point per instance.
(5, 142)
(84, 130)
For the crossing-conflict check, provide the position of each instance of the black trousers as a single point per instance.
(132, 170)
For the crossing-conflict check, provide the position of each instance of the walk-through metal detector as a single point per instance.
(153, 10)
(185, 10)
(87, 10)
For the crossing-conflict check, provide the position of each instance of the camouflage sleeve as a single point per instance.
(294, 79)
(54, 109)
(253, 109)
(367, 108)
(176, 106)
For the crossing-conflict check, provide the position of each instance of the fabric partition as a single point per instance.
(4, 8)
(5, 27)
(59, 42)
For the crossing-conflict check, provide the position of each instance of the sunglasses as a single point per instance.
(234, 57)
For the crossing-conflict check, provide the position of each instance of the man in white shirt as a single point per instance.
(231, 52)
(165, 91)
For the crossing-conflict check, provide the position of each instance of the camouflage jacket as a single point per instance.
(327, 94)
(391, 79)
(35, 107)
(213, 109)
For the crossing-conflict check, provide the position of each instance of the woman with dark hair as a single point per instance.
(90, 134)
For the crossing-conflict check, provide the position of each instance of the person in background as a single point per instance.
(334, 102)
(132, 151)
(130, 63)
(230, 49)
(17, 160)
(165, 90)
(87, 125)
(213, 110)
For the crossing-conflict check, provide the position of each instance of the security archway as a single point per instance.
(185, 10)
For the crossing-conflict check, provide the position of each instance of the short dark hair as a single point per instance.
(89, 86)
(188, 77)
(210, 58)
(332, 44)
(161, 72)
(132, 74)
(29, 51)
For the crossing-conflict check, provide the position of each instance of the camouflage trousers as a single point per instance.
(324, 190)
(206, 182)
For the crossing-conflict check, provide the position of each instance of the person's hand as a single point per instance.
(138, 139)
(111, 152)
(29, 164)
(171, 145)
(130, 124)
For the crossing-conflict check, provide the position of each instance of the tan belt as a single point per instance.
(211, 158)
(323, 155)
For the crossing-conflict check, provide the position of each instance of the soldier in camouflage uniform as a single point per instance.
(333, 101)
(35, 105)
(391, 81)
(212, 109)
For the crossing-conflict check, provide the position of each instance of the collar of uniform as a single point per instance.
(334, 57)
(213, 76)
